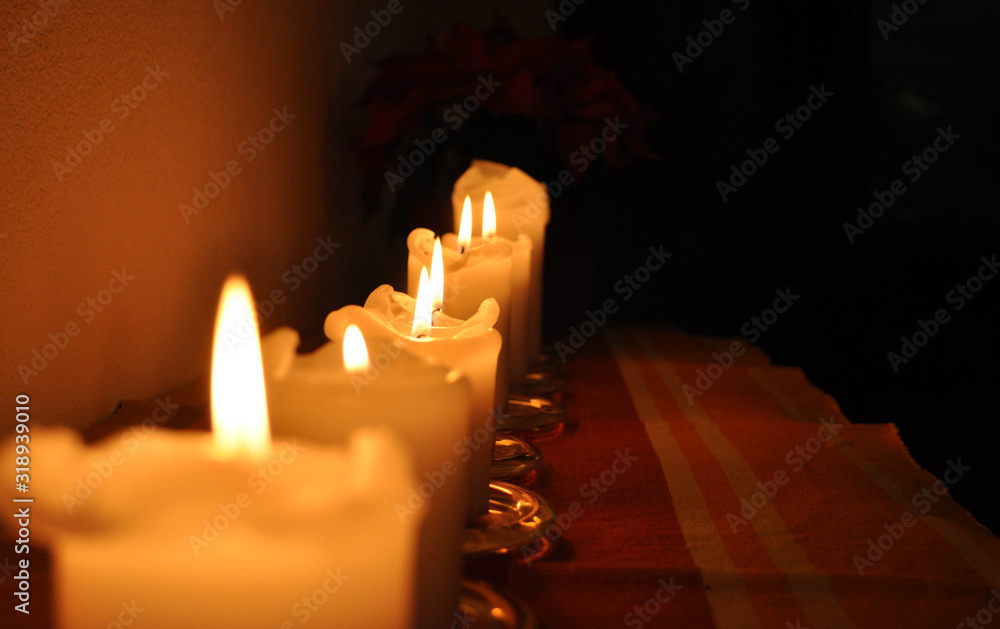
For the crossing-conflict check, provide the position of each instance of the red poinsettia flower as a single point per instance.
(550, 80)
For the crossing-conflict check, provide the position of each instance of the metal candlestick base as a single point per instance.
(483, 606)
(513, 458)
(517, 519)
(548, 360)
(529, 413)
(540, 382)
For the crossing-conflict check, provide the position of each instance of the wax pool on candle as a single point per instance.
(472, 346)
(315, 396)
(198, 541)
(482, 272)
(227, 529)
(522, 207)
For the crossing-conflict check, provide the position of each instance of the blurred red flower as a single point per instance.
(552, 81)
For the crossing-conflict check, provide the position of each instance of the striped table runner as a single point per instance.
(734, 495)
(738, 495)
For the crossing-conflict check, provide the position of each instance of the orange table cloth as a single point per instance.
(733, 495)
(747, 500)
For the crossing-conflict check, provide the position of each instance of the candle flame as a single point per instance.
(424, 310)
(465, 227)
(355, 350)
(239, 401)
(437, 278)
(489, 218)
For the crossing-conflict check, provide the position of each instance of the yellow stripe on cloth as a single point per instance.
(725, 585)
(810, 585)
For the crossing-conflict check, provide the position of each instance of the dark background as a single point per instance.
(785, 226)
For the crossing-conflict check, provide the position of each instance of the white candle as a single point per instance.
(199, 542)
(482, 272)
(316, 396)
(472, 346)
(186, 529)
(520, 285)
(522, 207)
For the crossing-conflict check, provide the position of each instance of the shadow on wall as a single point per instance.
(149, 149)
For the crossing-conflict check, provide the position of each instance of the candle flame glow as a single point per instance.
(465, 227)
(437, 277)
(424, 310)
(489, 218)
(355, 350)
(239, 402)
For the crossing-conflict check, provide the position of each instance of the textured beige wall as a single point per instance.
(68, 233)
(64, 235)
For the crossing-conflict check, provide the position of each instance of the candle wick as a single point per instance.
(421, 336)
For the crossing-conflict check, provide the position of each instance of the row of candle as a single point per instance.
(371, 475)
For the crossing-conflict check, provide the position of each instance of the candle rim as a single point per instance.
(383, 299)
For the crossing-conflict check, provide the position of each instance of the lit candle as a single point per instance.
(187, 529)
(471, 346)
(520, 289)
(344, 385)
(474, 271)
(522, 207)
